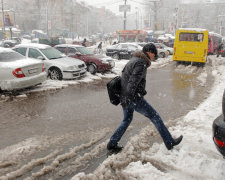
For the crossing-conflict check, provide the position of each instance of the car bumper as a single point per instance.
(74, 74)
(106, 67)
(21, 83)
(219, 133)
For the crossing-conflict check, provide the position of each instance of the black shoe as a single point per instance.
(115, 149)
(177, 140)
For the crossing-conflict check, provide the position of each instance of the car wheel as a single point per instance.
(115, 56)
(55, 74)
(162, 55)
(92, 68)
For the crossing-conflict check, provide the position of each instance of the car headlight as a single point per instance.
(104, 61)
(72, 68)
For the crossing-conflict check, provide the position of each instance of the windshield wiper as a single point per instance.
(56, 57)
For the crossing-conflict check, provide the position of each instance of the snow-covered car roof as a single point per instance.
(132, 43)
(33, 45)
(68, 45)
(193, 29)
(215, 34)
(5, 50)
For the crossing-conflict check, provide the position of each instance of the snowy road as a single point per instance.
(56, 134)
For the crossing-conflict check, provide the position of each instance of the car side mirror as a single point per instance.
(71, 54)
(78, 53)
(41, 58)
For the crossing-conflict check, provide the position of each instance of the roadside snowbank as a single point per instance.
(195, 158)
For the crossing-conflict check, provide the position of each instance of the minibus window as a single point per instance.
(194, 37)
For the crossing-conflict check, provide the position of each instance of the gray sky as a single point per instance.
(113, 5)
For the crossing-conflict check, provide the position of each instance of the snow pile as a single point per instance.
(195, 158)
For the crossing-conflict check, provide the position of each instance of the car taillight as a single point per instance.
(219, 143)
(174, 51)
(18, 73)
(205, 52)
(43, 68)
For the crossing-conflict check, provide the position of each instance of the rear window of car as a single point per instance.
(21, 51)
(72, 51)
(61, 49)
(84, 50)
(10, 56)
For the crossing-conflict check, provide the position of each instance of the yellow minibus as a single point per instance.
(191, 44)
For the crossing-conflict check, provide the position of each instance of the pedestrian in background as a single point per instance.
(132, 94)
(100, 47)
(84, 42)
(219, 48)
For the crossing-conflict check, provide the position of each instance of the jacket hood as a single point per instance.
(140, 54)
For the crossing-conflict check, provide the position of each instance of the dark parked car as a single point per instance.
(122, 50)
(162, 53)
(219, 130)
(52, 41)
(8, 43)
(95, 63)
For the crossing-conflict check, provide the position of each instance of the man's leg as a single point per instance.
(147, 110)
(128, 116)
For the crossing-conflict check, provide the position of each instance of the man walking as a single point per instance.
(133, 82)
(219, 48)
(100, 48)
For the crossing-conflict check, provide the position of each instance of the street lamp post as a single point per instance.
(47, 17)
(137, 18)
(3, 19)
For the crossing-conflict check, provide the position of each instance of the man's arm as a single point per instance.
(135, 78)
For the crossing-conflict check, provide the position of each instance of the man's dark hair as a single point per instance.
(150, 47)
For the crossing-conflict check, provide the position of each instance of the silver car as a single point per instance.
(18, 72)
(162, 53)
(163, 46)
(57, 65)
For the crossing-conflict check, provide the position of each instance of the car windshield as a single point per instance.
(10, 56)
(84, 50)
(52, 53)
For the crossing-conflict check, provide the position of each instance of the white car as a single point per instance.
(163, 46)
(57, 65)
(19, 72)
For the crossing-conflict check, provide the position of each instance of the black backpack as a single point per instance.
(114, 89)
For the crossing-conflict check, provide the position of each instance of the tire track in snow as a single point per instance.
(58, 159)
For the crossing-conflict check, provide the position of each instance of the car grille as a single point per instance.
(79, 74)
(81, 65)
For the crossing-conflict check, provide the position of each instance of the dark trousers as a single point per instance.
(143, 107)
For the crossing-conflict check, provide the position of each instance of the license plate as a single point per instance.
(189, 52)
(32, 71)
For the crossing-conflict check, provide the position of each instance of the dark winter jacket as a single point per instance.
(219, 48)
(133, 78)
(100, 45)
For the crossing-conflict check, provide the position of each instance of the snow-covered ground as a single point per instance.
(195, 158)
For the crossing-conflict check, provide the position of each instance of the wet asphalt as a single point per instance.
(86, 108)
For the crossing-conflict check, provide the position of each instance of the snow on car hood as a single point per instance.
(102, 57)
(20, 63)
(67, 61)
